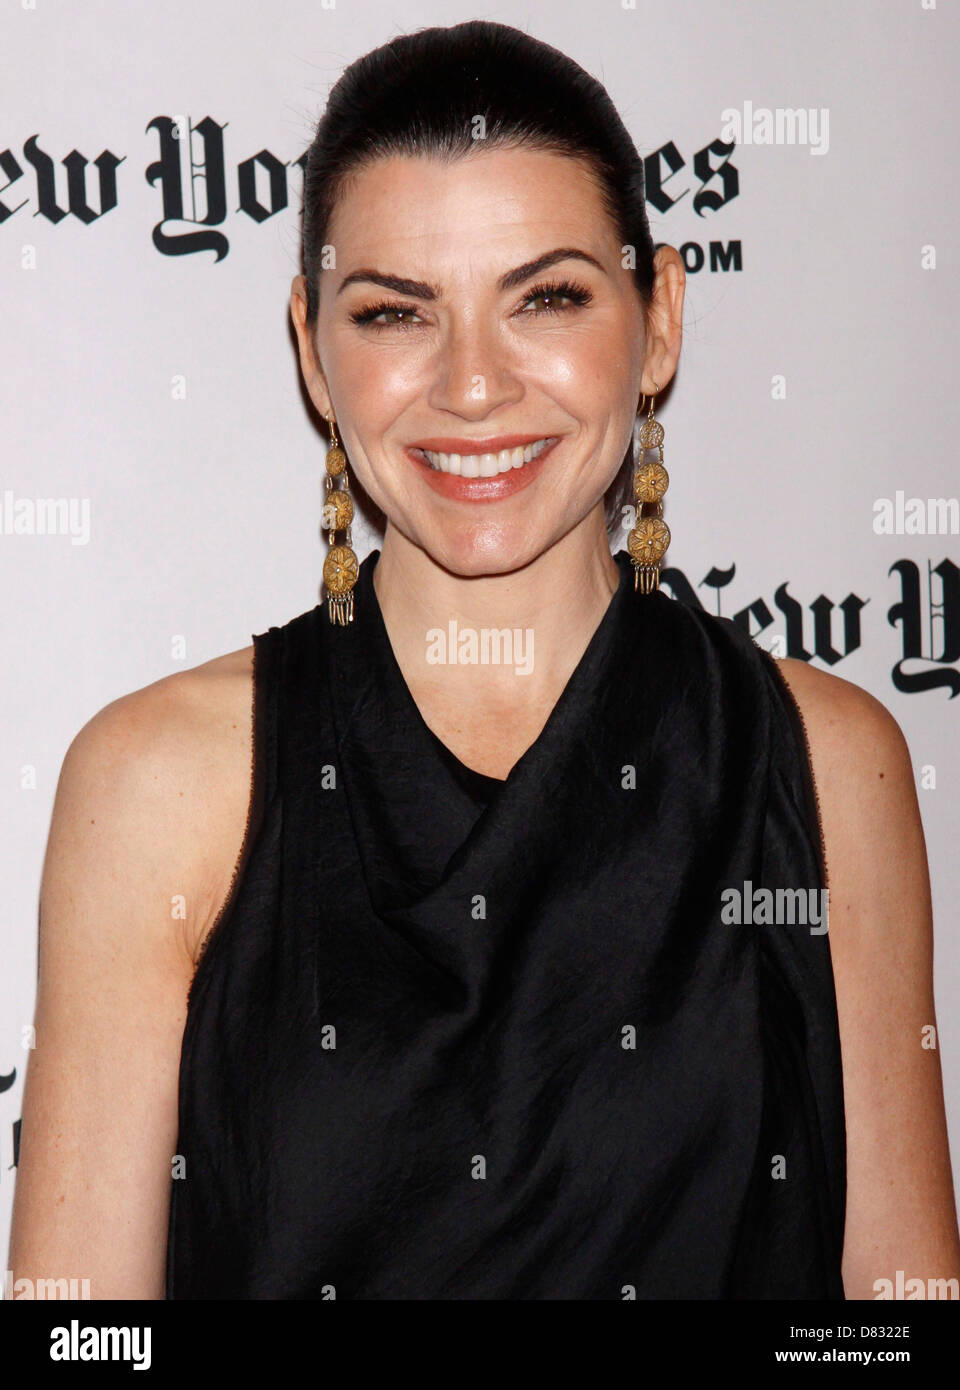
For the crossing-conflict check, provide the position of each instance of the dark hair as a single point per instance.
(420, 94)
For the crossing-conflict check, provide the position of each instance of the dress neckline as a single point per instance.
(481, 785)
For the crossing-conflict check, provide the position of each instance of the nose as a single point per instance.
(472, 374)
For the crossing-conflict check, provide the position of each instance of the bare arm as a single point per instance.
(900, 1211)
(146, 809)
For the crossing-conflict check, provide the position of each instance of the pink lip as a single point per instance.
(493, 489)
(495, 444)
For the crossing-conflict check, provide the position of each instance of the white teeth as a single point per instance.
(485, 465)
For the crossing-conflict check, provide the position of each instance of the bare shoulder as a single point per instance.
(864, 780)
(164, 772)
(836, 710)
(859, 756)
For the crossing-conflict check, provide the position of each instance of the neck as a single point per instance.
(551, 607)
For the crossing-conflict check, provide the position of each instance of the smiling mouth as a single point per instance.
(484, 465)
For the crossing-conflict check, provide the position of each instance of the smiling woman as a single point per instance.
(486, 345)
(458, 1010)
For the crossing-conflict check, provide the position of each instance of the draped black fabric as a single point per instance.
(462, 1038)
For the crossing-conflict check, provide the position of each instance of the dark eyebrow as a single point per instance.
(418, 289)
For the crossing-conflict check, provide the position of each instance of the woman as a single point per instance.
(469, 1015)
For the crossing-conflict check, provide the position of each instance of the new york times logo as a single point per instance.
(76, 1343)
(776, 907)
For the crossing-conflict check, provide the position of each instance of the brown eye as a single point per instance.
(373, 312)
(547, 299)
(385, 313)
(557, 298)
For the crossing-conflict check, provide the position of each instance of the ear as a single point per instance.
(664, 321)
(309, 363)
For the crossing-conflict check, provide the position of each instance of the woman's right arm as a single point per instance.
(145, 831)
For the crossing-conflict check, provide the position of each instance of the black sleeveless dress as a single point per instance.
(460, 1038)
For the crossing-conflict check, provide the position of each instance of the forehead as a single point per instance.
(489, 209)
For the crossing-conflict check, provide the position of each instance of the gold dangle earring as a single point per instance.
(650, 537)
(340, 567)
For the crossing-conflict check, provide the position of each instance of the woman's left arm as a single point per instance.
(900, 1216)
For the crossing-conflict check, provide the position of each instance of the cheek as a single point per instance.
(588, 371)
(369, 477)
(390, 361)
(363, 381)
(367, 377)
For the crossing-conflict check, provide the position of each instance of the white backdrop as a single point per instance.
(158, 393)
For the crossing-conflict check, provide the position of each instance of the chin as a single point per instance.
(471, 551)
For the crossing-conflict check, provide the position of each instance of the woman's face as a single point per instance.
(481, 351)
